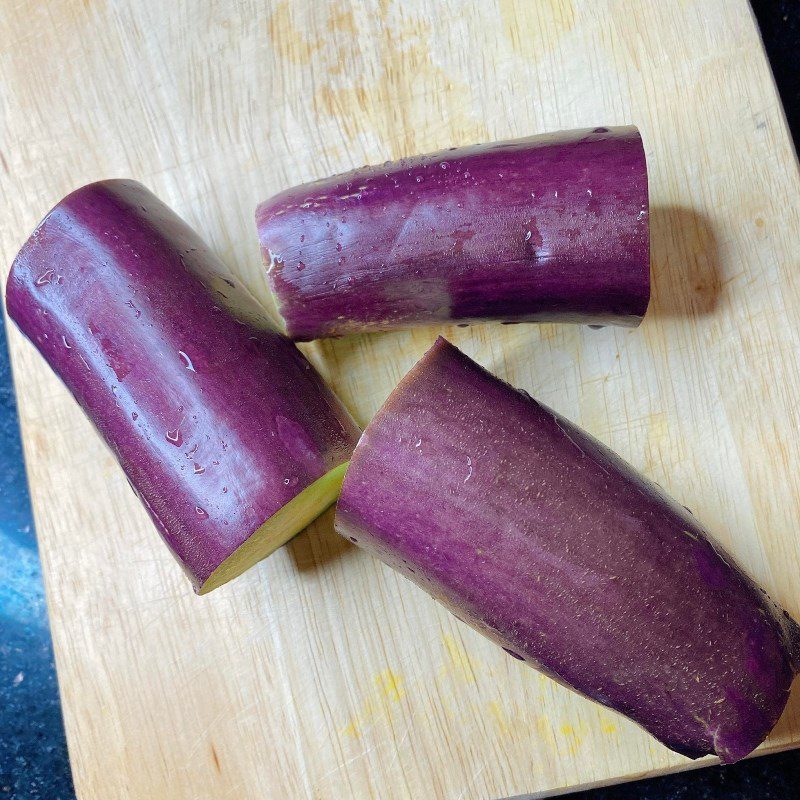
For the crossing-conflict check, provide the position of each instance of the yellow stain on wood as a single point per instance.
(496, 712)
(573, 738)
(608, 727)
(460, 663)
(352, 729)
(389, 684)
(376, 706)
(544, 729)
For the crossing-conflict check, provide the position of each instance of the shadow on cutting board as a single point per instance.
(318, 544)
(687, 281)
(687, 277)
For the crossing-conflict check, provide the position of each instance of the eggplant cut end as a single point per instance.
(283, 525)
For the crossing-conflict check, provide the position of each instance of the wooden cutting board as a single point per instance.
(321, 673)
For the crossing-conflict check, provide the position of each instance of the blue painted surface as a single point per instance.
(33, 750)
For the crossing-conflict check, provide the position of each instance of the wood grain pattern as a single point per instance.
(321, 673)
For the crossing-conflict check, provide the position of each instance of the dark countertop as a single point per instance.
(33, 751)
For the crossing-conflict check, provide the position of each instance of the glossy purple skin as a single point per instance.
(551, 545)
(548, 228)
(216, 423)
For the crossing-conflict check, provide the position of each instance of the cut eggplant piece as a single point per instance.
(227, 434)
(551, 545)
(550, 228)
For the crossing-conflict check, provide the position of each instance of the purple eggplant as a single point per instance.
(227, 434)
(548, 228)
(547, 542)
